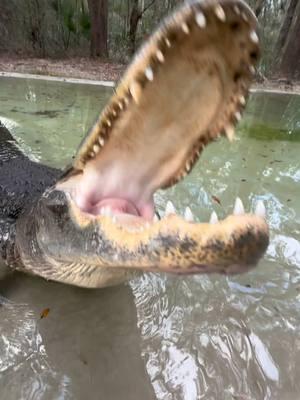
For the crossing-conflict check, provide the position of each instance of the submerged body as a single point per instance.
(93, 225)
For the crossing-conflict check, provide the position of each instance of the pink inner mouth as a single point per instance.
(113, 189)
(115, 204)
(119, 206)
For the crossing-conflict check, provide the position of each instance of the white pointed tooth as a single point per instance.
(155, 218)
(96, 148)
(260, 209)
(214, 218)
(253, 36)
(245, 17)
(200, 19)
(252, 69)
(101, 211)
(168, 43)
(238, 116)
(188, 215)
(238, 207)
(149, 74)
(160, 56)
(101, 141)
(229, 130)
(188, 166)
(185, 28)
(220, 13)
(135, 90)
(170, 209)
(114, 219)
(242, 100)
(236, 10)
(106, 212)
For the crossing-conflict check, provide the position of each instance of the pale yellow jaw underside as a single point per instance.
(186, 87)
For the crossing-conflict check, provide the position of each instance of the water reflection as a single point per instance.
(198, 338)
(88, 346)
(207, 338)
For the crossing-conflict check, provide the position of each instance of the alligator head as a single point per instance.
(186, 87)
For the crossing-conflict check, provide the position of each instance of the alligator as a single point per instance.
(94, 224)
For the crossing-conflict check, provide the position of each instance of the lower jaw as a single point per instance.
(127, 213)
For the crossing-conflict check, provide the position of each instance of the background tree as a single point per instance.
(137, 12)
(287, 63)
(99, 16)
(56, 28)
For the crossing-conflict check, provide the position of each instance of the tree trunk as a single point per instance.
(99, 14)
(135, 16)
(287, 64)
(258, 7)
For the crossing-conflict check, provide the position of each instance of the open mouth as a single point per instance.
(186, 87)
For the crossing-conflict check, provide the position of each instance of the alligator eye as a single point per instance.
(57, 209)
(55, 201)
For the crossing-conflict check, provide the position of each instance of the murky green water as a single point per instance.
(201, 337)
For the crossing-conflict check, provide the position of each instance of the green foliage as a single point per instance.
(73, 20)
(85, 24)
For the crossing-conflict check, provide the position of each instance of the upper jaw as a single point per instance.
(185, 88)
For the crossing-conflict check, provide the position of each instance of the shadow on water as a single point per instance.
(87, 346)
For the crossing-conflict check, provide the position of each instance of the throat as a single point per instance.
(110, 193)
(111, 206)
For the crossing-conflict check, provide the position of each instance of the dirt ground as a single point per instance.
(82, 68)
(85, 68)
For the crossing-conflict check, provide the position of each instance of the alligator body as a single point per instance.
(94, 224)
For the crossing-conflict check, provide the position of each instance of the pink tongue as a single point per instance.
(118, 206)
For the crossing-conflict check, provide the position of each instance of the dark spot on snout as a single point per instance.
(237, 76)
(234, 26)
(187, 245)
(254, 55)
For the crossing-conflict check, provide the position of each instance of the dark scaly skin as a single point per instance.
(199, 62)
(22, 183)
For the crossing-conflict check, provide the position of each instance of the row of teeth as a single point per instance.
(238, 209)
(135, 89)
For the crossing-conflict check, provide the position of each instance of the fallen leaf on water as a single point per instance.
(275, 161)
(45, 313)
(216, 199)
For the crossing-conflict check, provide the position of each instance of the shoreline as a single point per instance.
(94, 72)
